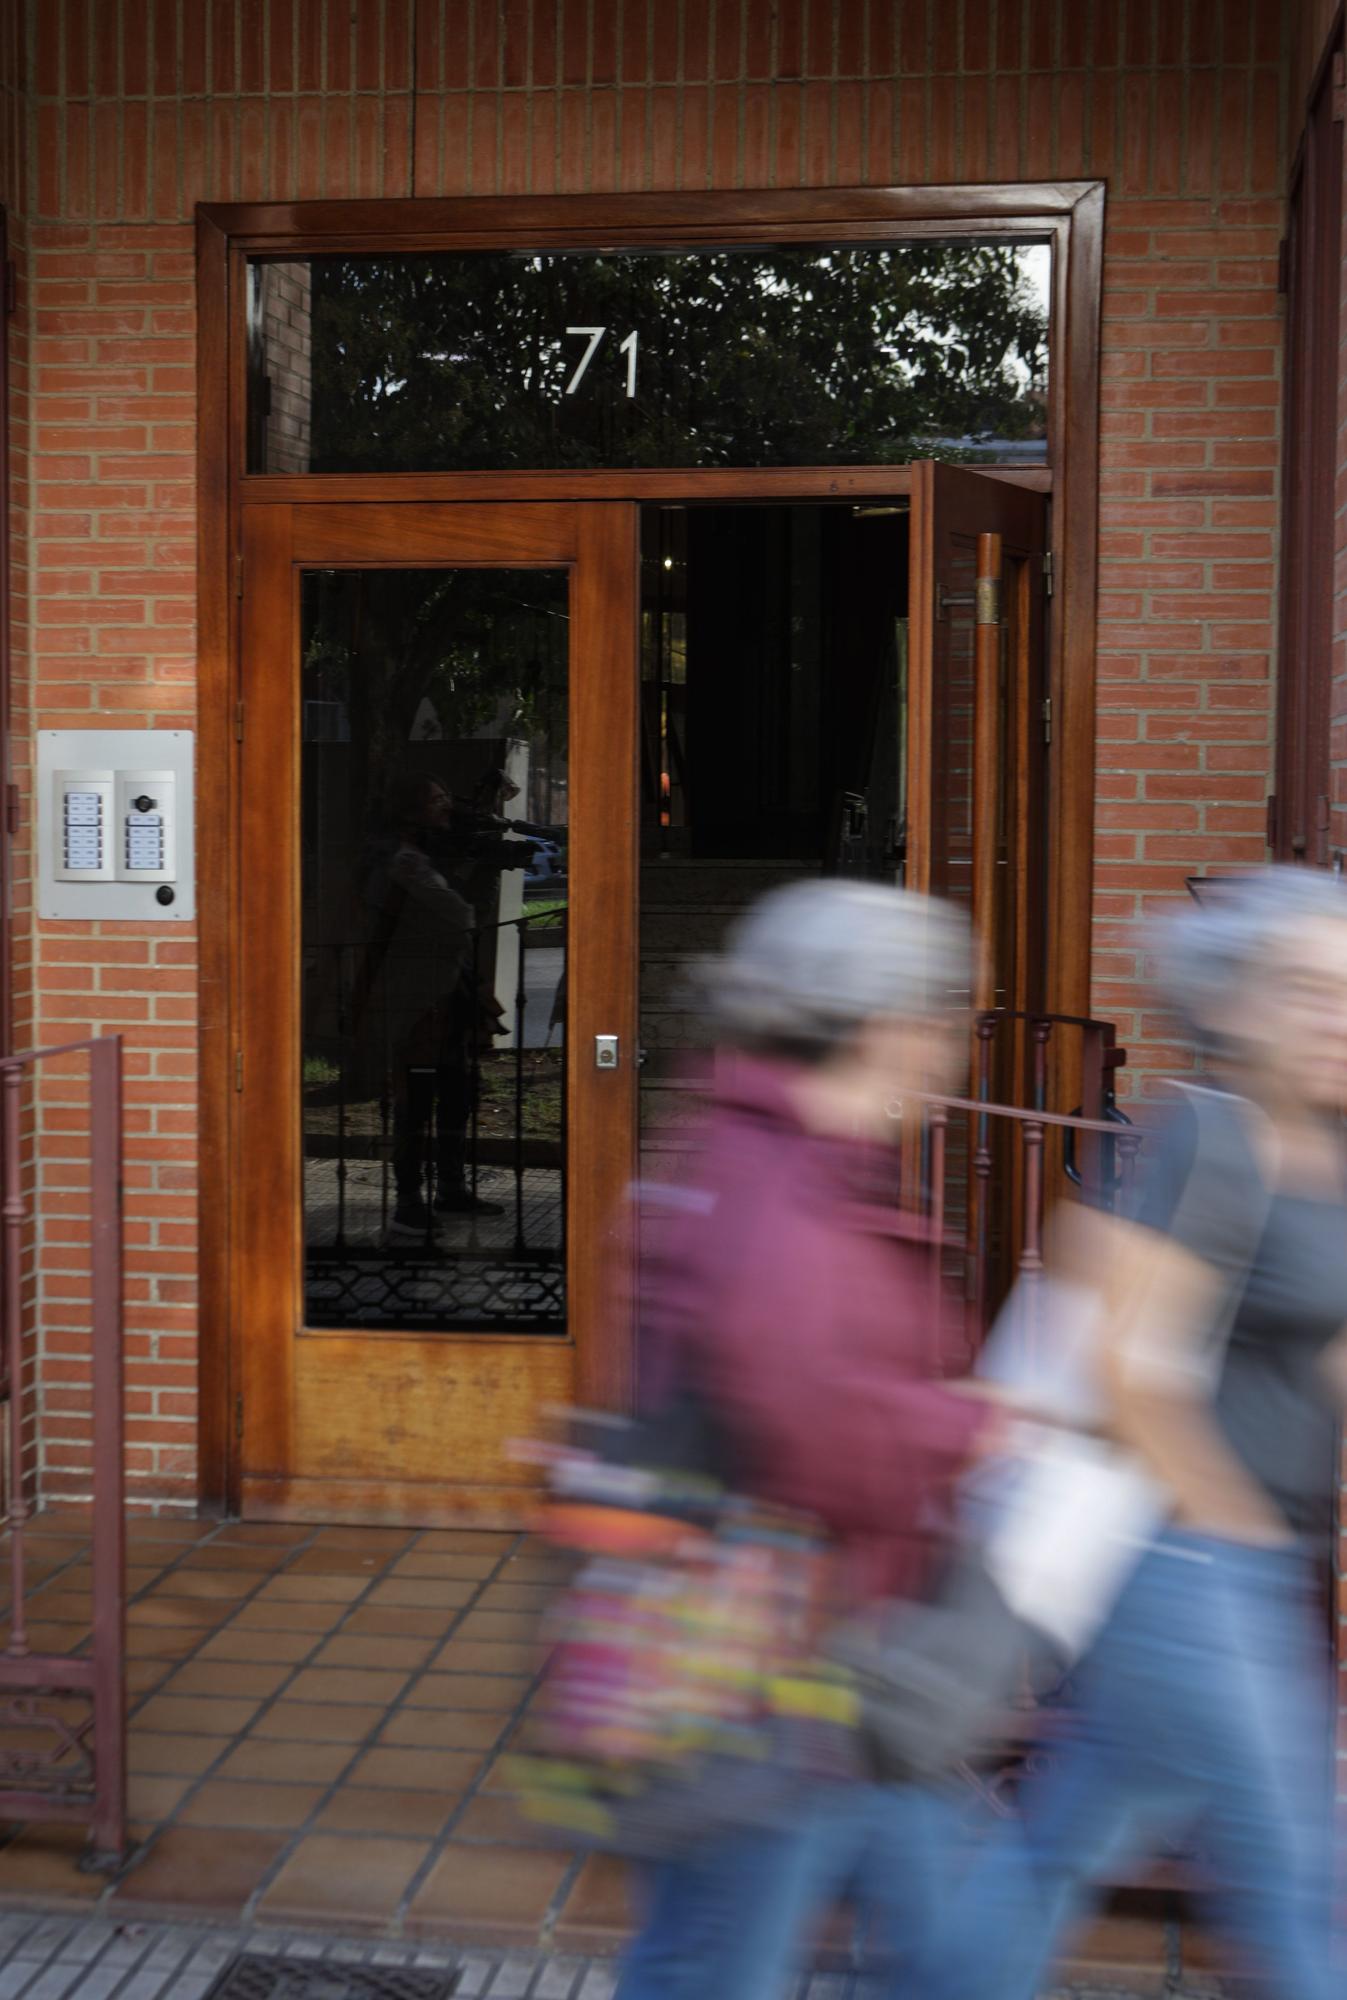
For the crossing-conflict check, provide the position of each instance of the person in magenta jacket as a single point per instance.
(786, 1293)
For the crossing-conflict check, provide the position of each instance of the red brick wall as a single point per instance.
(1179, 107)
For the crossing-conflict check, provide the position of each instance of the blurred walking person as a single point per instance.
(1205, 1706)
(784, 1299)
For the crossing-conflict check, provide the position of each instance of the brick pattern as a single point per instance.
(136, 113)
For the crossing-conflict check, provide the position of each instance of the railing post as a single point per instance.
(982, 1168)
(109, 1523)
(15, 1214)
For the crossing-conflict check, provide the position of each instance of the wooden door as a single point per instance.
(434, 1133)
(978, 718)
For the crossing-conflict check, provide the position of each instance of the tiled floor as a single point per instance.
(317, 1717)
(316, 1721)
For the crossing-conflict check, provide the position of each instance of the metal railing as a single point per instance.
(80, 1775)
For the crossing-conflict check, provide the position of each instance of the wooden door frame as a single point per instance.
(1067, 214)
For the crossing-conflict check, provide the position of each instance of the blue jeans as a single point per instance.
(734, 1920)
(1204, 1710)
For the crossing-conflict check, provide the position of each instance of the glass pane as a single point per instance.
(434, 893)
(790, 355)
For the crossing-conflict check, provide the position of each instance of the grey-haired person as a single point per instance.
(1204, 1709)
(783, 1299)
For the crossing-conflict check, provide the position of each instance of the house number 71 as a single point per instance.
(594, 335)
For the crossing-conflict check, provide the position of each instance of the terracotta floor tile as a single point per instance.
(51, 1638)
(318, 1722)
(371, 1809)
(489, 1694)
(373, 1623)
(387, 1541)
(514, 1625)
(442, 1729)
(172, 1756)
(54, 1607)
(339, 1561)
(143, 1676)
(549, 1571)
(599, 1909)
(486, 1656)
(359, 1684)
(443, 1771)
(41, 1865)
(200, 1868)
(175, 1613)
(223, 1802)
(465, 1542)
(287, 1616)
(236, 1678)
(471, 1889)
(245, 1645)
(172, 1643)
(191, 1715)
(287, 1589)
(496, 1819)
(224, 1584)
(287, 1763)
(387, 1654)
(250, 1556)
(329, 1876)
(168, 1528)
(421, 1593)
(471, 1569)
(153, 1799)
(280, 1535)
(516, 1597)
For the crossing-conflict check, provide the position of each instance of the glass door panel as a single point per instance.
(433, 897)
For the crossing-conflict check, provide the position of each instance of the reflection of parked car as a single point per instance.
(547, 870)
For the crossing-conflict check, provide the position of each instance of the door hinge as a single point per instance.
(238, 1069)
(1339, 86)
(238, 722)
(11, 287)
(1273, 827)
(238, 575)
(13, 811)
(238, 1419)
(1047, 571)
(1045, 711)
(1284, 267)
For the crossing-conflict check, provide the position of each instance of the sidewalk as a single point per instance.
(71, 1958)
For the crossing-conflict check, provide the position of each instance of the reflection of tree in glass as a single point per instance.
(780, 356)
(485, 648)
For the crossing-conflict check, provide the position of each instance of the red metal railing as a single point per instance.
(77, 1779)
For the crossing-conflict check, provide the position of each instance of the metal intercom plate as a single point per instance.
(115, 825)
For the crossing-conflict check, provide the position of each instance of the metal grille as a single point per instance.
(503, 1294)
(258, 1976)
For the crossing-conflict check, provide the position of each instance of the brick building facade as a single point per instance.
(116, 122)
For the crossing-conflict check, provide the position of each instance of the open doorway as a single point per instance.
(773, 733)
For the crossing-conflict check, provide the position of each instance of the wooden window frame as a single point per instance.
(1067, 215)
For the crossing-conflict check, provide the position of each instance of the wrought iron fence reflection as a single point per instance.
(434, 1131)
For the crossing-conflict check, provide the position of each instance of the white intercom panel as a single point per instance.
(115, 832)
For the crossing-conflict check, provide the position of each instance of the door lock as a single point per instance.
(606, 1049)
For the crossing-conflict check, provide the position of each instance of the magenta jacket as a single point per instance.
(802, 1309)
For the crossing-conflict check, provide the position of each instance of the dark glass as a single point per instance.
(774, 711)
(433, 912)
(788, 355)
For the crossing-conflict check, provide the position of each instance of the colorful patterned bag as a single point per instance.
(682, 1693)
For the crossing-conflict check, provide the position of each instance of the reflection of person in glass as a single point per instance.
(421, 956)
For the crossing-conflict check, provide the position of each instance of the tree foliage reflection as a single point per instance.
(781, 356)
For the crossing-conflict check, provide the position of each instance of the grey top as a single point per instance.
(1274, 1401)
